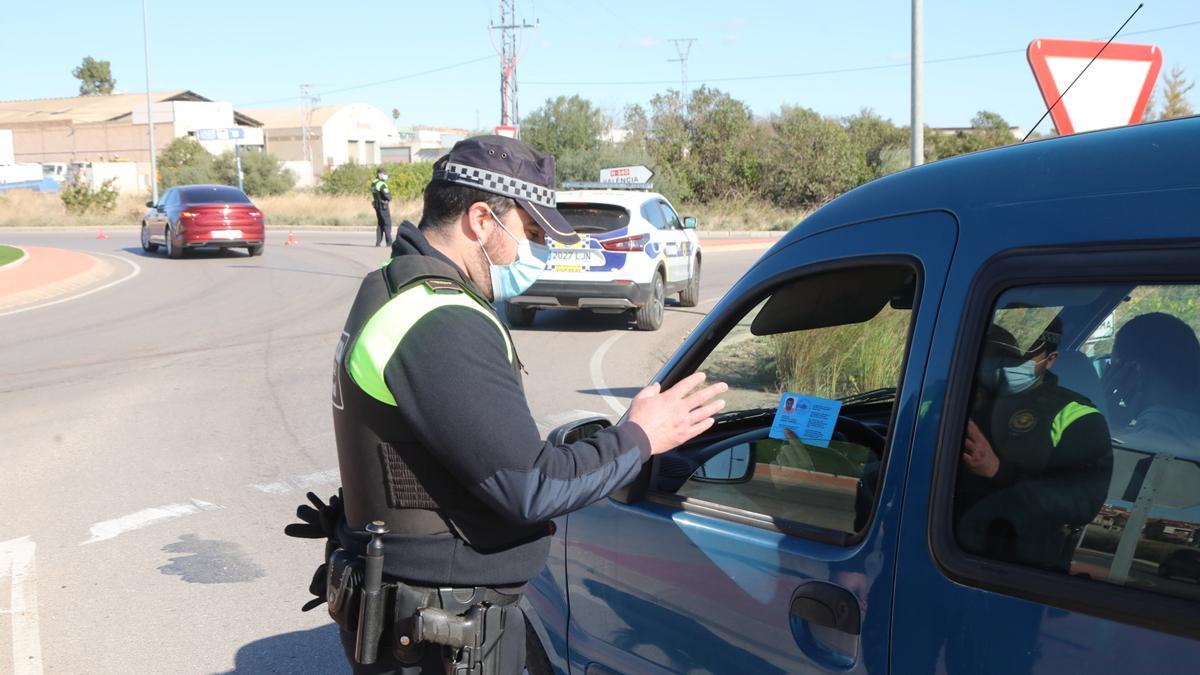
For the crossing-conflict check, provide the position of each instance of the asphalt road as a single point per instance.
(158, 434)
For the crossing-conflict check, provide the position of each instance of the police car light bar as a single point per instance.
(601, 185)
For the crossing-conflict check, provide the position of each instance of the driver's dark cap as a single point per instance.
(507, 167)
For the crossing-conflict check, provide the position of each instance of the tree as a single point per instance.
(988, 130)
(811, 158)
(878, 140)
(725, 146)
(564, 124)
(1175, 89)
(95, 77)
(395, 113)
(262, 173)
(186, 162)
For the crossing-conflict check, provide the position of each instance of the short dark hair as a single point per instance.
(1164, 345)
(445, 202)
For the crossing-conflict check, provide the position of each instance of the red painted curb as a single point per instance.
(42, 267)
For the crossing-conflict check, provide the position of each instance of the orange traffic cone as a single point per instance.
(291, 240)
(101, 235)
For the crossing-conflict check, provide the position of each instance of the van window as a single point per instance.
(833, 337)
(1082, 448)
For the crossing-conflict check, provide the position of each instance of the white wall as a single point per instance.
(356, 122)
(6, 147)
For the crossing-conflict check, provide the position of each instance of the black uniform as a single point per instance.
(381, 198)
(1055, 464)
(435, 437)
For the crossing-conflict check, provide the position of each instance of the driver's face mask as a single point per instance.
(1003, 377)
(513, 279)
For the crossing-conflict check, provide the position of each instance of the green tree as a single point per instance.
(988, 130)
(878, 140)
(185, 162)
(667, 136)
(262, 173)
(406, 181)
(811, 159)
(95, 77)
(725, 146)
(1175, 88)
(564, 124)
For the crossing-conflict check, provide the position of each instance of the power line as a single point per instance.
(833, 71)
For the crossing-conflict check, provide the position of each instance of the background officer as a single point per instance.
(1036, 459)
(434, 434)
(381, 199)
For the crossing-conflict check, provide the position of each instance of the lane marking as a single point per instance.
(16, 562)
(299, 483)
(137, 269)
(109, 529)
(597, 369)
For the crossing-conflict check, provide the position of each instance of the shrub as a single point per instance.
(262, 174)
(406, 181)
(79, 198)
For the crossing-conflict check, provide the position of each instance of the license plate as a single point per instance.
(574, 256)
(227, 234)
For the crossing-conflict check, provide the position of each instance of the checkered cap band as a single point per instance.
(498, 183)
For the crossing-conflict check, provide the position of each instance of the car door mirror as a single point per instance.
(731, 465)
(689, 222)
(579, 430)
(150, 204)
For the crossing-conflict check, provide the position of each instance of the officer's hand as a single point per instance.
(673, 417)
(978, 455)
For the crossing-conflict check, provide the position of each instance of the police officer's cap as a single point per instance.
(509, 168)
(1000, 342)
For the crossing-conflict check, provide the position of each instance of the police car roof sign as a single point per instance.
(626, 174)
(1112, 93)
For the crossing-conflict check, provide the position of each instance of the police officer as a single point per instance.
(1036, 460)
(435, 438)
(381, 198)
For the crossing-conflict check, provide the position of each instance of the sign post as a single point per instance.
(1112, 92)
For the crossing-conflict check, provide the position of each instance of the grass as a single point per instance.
(8, 254)
(22, 208)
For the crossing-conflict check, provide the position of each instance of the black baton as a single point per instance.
(370, 612)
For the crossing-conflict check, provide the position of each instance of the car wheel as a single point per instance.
(147, 245)
(518, 315)
(174, 252)
(690, 296)
(650, 315)
(257, 249)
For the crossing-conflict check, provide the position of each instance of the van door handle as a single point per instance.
(828, 605)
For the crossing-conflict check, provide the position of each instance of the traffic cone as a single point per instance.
(100, 234)
(291, 240)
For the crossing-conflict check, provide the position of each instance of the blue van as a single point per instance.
(1012, 484)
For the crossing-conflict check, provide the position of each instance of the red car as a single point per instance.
(191, 216)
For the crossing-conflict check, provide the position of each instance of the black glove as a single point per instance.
(319, 522)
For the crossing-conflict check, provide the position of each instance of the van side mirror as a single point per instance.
(577, 431)
(689, 222)
(731, 465)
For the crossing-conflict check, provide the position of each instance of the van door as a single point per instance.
(1061, 529)
(754, 552)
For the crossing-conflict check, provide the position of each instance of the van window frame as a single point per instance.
(1143, 263)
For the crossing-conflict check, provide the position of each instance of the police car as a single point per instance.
(634, 251)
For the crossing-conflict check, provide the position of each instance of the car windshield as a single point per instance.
(595, 218)
(215, 194)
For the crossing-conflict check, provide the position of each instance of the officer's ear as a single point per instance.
(479, 221)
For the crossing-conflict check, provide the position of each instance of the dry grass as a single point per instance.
(21, 208)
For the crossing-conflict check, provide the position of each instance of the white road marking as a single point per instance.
(597, 368)
(137, 269)
(109, 529)
(16, 562)
(300, 482)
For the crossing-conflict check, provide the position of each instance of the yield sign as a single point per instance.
(1112, 93)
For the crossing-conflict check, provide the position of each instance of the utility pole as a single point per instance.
(683, 46)
(149, 104)
(511, 49)
(917, 125)
(307, 101)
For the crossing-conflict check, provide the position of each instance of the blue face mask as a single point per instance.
(1019, 378)
(513, 279)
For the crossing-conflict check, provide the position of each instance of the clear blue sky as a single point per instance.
(257, 53)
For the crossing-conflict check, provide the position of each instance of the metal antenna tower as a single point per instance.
(512, 47)
(307, 101)
(683, 46)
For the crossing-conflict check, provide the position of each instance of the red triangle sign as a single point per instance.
(1112, 93)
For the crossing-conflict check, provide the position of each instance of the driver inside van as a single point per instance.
(1036, 460)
